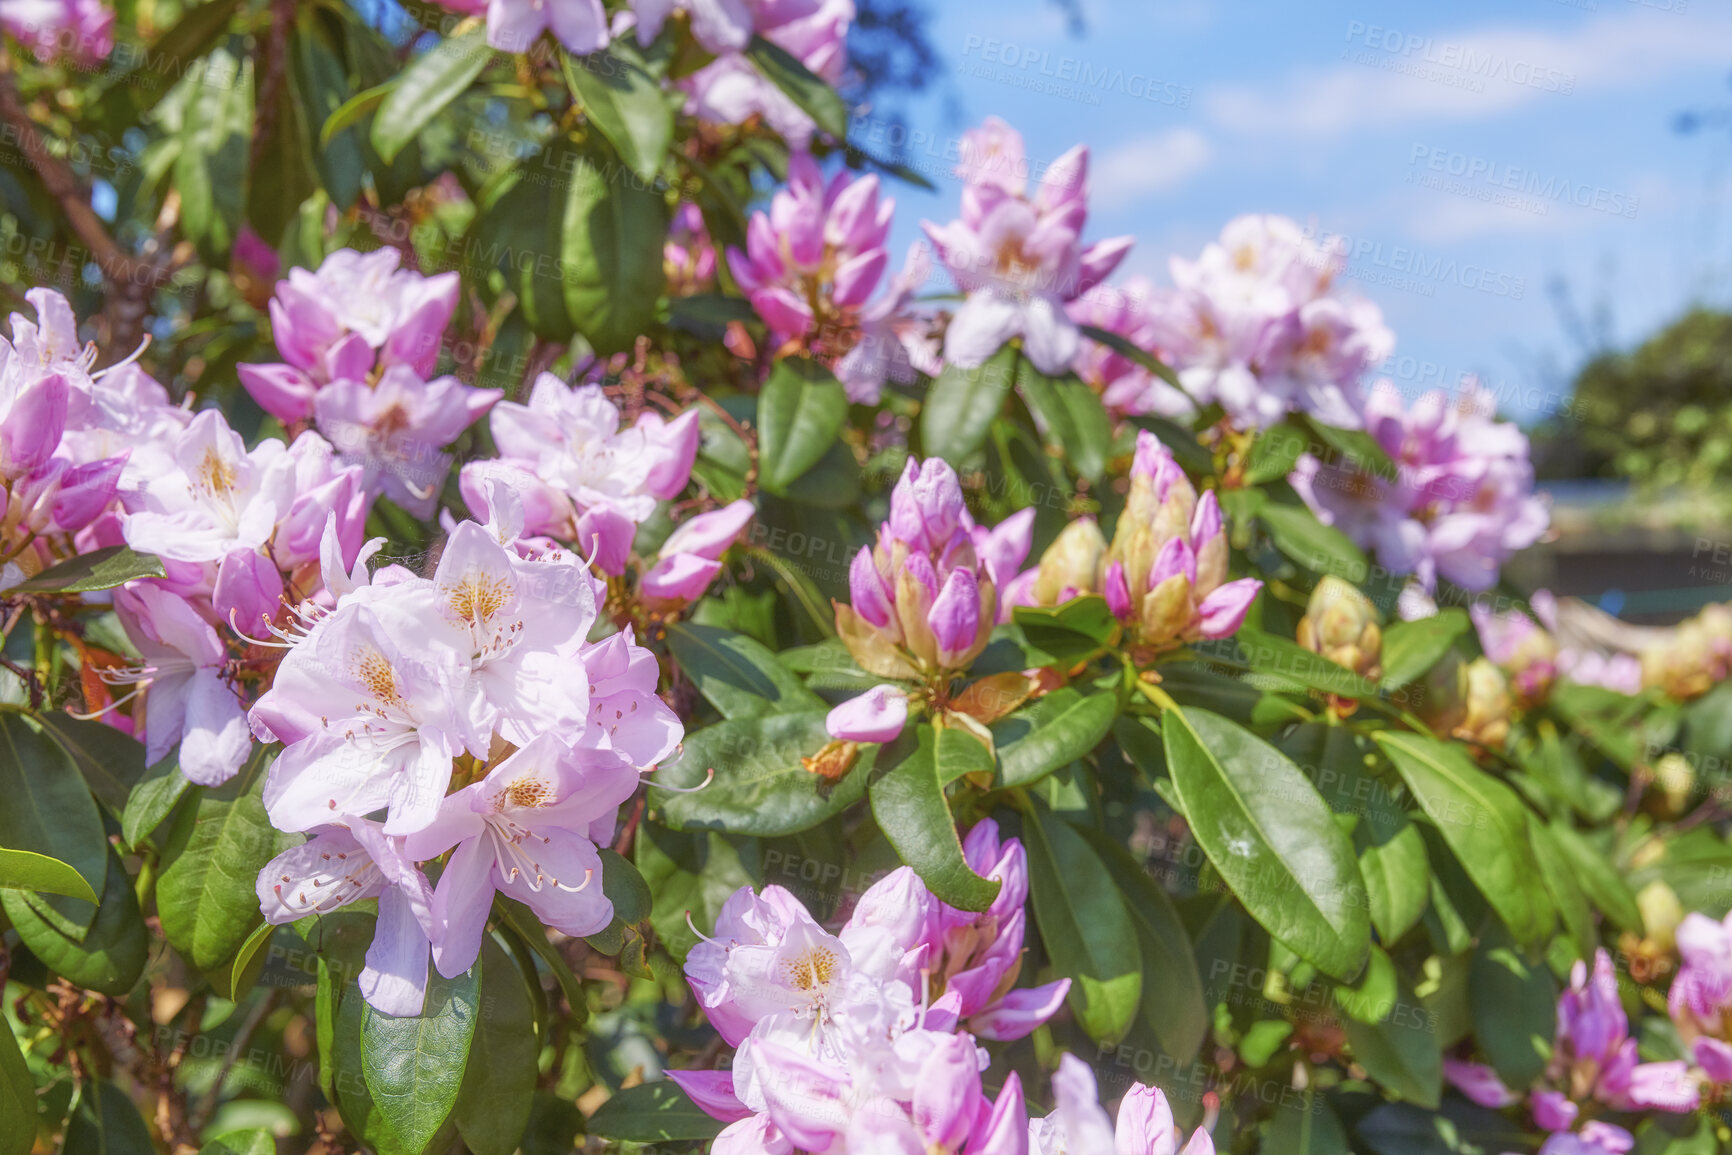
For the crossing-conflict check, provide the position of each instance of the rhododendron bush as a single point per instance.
(531, 623)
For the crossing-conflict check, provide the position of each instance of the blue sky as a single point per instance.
(1471, 152)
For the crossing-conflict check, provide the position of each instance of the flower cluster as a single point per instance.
(811, 266)
(1165, 573)
(730, 90)
(1461, 499)
(1253, 326)
(1021, 260)
(1593, 1068)
(586, 481)
(864, 1040)
(406, 687)
(359, 339)
(924, 598)
(80, 31)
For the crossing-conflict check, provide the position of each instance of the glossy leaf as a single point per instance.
(653, 1113)
(1483, 822)
(105, 1122)
(961, 404)
(1088, 932)
(112, 762)
(1270, 654)
(49, 811)
(1400, 1050)
(498, 1088)
(811, 93)
(414, 1066)
(1514, 1010)
(1272, 838)
(29, 871)
(110, 956)
(800, 414)
(1071, 414)
(17, 1097)
(908, 801)
(1318, 547)
(760, 785)
(1066, 634)
(100, 569)
(1050, 732)
(152, 800)
(622, 99)
(739, 676)
(253, 1141)
(1599, 879)
(1306, 1126)
(609, 269)
(430, 83)
(1412, 648)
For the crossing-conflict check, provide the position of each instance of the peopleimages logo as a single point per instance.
(1413, 269)
(1085, 76)
(1530, 189)
(1477, 62)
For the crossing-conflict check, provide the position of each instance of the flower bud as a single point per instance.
(1068, 566)
(1341, 624)
(1488, 705)
(1676, 779)
(1661, 913)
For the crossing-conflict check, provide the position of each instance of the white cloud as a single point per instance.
(1156, 163)
(1392, 76)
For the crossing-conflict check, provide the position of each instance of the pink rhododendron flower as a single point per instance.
(1079, 1123)
(81, 31)
(731, 90)
(1460, 503)
(1126, 387)
(1020, 260)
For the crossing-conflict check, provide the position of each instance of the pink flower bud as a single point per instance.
(955, 617)
(878, 715)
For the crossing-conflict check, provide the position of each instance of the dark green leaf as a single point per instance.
(242, 971)
(207, 892)
(414, 1066)
(961, 405)
(111, 955)
(610, 255)
(27, 870)
(49, 811)
(1064, 635)
(1274, 454)
(1397, 879)
(1306, 1126)
(625, 102)
(1172, 1000)
(1354, 449)
(353, 110)
(653, 1113)
(1318, 547)
(1514, 1011)
(430, 82)
(1270, 654)
(1083, 921)
(1400, 1051)
(215, 138)
(253, 1141)
(1272, 838)
(908, 802)
(1124, 347)
(155, 796)
(17, 1098)
(1412, 648)
(105, 1122)
(1484, 824)
(1072, 415)
(692, 873)
(1564, 888)
(499, 1082)
(760, 785)
(816, 97)
(112, 762)
(1050, 732)
(1374, 993)
(800, 414)
(1602, 883)
(739, 676)
(100, 569)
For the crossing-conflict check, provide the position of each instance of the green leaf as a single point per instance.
(49, 811)
(908, 801)
(528, 927)
(1270, 654)
(1271, 837)
(739, 677)
(760, 786)
(1124, 347)
(1318, 547)
(625, 102)
(800, 414)
(17, 1097)
(1052, 731)
(172, 55)
(961, 405)
(100, 569)
(612, 230)
(813, 94)
(111, 762)
(430, 82)
(1483, 822)
(152, 800)
(1374, 993)
(110, 956)
(207, 892)
(1088, 932)
(353, 110)
(1412, 648)
(1173, 1005)
(27, 870)
(1064, 635)
(1602, 717)
(498, 1088)
(1565, 891)
(1599, 880)
(630, 895)
(1072, 414)
(1306, 1126)
(105, 1122)
(693, 873)
(252, 1141)
(1397, 879)
(215, 138)
(1400, 1050)
(237, 978)
(1514, 1011)
(653, 1113)
(414, 1066)
(1355, 449)
(1273, 456)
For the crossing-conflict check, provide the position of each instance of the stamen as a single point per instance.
(709, 776)
(701, 934)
